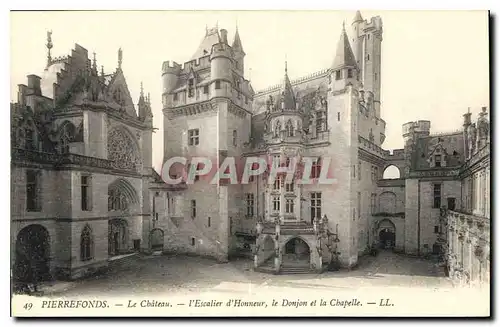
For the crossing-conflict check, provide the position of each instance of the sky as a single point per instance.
(435, 64)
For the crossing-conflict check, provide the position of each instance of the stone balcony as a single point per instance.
(288, 228)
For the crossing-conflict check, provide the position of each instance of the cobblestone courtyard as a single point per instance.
(159, 275)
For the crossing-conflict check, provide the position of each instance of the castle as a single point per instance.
(76, 135)
(210, 110)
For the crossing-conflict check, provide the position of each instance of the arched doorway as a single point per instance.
(117, 237)
(296, 253)
(32, 255)
(157, 239)
(386, 234)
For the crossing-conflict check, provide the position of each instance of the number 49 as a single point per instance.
(28, 306)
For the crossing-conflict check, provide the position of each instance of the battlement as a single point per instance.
(294, 82)
(421, 126)
(175, 68)
(375, 23)
(167, 68)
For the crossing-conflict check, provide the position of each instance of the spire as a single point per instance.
(49, 46)
(142, 90)
(102, 70)
(94, 63)
(120, 58)
(344, 55)
(357, 17)
(149, 98)
(237, 46)
(287, 91)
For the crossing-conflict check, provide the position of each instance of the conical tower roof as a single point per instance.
(287, 91)
(344, 57)
(237, 46)
(357, 17)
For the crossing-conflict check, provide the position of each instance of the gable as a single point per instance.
(119, 93)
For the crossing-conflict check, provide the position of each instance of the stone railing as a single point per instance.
(391, 182)
(442, 172)
(58, 159)
(372, 147)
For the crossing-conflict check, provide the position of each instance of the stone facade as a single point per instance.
(334, 113)
(80, 167)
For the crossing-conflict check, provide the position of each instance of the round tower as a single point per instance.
(170, 77)
(220, 70)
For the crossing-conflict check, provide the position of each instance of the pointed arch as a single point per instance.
(289, 128)
(121, 195)
(123, 149)
(86, 244)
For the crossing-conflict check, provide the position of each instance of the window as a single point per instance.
(316, 168)
(277, 183)
(359, 204)
(437, 196)
(289, 128)
(437, 160)
(354, 171)
(436, 229)
(349, 73)
(235, 137)
(338, 75)
(33, 190)
(250, 204)
(376, 76)
(359, 170)
(373, 203)
(205, 89)
(374, 173)
(176, 96)
(209, 222)
(192, 241)
(86, 193)
(194, 136)
(217, 85)
(86, 244)
(246, 100)
(315, 205)
(338, 116)
(29, 138)
(276, 203)
(289, 187)
(289, 206)
(367, 57)
(191, 82)
(451, 203)
(193, 209)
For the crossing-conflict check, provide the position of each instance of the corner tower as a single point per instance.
(367, 44)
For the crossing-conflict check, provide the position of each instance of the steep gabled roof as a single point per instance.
(211, 37)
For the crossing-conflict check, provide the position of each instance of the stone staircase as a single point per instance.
(291, 270)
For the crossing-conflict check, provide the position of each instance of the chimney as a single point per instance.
(21, 94)
(223, 36)
(34, 84)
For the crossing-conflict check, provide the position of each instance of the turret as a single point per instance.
(357, 37)
(170, 77)
(344, 69)
(220, 70)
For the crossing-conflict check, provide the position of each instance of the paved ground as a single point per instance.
(157, 275)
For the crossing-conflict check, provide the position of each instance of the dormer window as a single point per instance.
(437, 160)
(349, 73)
(205, 89)
(338, 75)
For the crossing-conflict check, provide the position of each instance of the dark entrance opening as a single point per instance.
(32, 255)
(118, 236)
(387, 238)
(297, 253)
(157, 239)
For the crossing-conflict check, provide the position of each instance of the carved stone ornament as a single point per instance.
(122, 151)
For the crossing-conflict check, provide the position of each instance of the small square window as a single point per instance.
(205, 89)
(217, 85)
(338, 75)
(349, 73)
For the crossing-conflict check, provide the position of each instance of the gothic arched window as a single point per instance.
(29, 138)
(86, 244)
(117, 200)
(289, 128)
